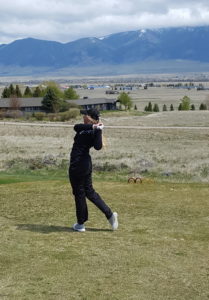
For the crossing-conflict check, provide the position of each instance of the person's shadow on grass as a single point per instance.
(46, 229)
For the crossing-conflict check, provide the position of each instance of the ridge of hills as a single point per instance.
(182, 49)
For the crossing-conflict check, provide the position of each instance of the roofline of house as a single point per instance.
(36, 102)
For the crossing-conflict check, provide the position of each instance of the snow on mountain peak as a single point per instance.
(142, 32)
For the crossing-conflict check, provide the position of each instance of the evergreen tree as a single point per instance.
(149, 107)
(28, 92)
(156, 108)
(171, 107)
(51, 102)
(5, 93)
(192, 107)
(146, 108)
(18, 92)
(180, 107)
(11, 90)
(135, 107)
(37, 92)
(164, 107)
(203, 106)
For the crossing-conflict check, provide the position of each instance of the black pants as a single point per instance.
(82, 189)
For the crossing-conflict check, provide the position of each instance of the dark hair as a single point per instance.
(92, 112)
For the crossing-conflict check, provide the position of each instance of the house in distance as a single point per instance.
(31, 105)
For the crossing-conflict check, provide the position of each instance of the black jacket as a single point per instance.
(85, 138)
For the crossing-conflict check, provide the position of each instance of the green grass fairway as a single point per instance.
(160, 251)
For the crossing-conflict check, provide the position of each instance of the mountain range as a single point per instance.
(171, 49)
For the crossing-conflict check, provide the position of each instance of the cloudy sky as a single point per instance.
(67, 20)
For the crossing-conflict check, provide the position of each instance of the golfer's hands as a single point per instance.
(99, 126)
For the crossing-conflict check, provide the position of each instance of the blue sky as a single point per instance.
(67, 20)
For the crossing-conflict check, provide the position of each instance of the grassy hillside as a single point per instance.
(160, 250)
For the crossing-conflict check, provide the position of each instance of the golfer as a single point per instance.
(88, 135)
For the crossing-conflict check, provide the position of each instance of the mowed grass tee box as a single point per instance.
(160, 250)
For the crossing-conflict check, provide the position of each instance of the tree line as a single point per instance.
(54, 99)
(39, 91)
(185, 104)
(15, 91)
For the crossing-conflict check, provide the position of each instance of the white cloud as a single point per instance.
(66, 20)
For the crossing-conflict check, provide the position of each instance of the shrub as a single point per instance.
(63, 116)
(39, 115)
(13, 114)
(2, 114)
(70, 114)
(73, 113)
(52, 117)
(27, 116)
(73, 105)
(164, 107)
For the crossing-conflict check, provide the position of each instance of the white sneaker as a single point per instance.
(79, 227)
(114, 221)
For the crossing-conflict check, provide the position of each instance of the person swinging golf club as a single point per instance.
(88, 135)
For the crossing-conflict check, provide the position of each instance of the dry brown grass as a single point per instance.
(20, 142)
(167, 96)
(183, 151)
(159, 95)
(170, 118)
